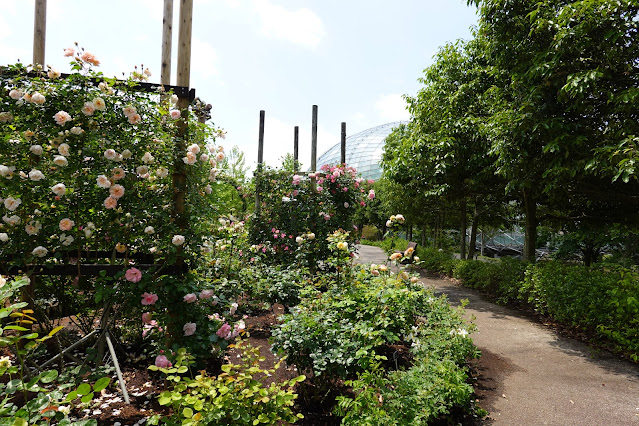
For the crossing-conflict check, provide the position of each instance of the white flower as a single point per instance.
(11, 203)
(346, 205)
(310, 236)
(33, 227)
(147, 158)
(189, 328)
(5, 361)
(110, 154)
(63, 149)
(149, 230)
(208, 189)
(103, 182)
(142, 171)
(66, 240)
(39, 251)
(299, 240)
(60, 160)
(11, 220)
(190, 158)
(178, 240)
(204, 158)
(15, 94)
(59, 189)
(36, 175)
(233, 308)
(4, 237)
(98, 103)
(38, 98)
(36, 149)
(77, 130)
(126, 154)
(53, 73)
(162, 172)
(64, 409)
(286, 200)
(195, 148)
(174, 99)
(219, 156)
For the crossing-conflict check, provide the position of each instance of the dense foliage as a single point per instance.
(542, 102)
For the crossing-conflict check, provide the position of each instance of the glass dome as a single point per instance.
(363, 151)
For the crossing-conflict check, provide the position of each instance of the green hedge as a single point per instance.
(601, 301)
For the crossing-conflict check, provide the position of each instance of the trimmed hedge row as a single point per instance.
(603, 301)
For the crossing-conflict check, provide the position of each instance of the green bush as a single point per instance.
(439, 262)
(427, 391)
(237, 396)
(502, 279)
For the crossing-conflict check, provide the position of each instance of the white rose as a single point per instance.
(60, 160)
(149, 230)
(103, 182)
(59, 189)
(77, 130)
(110, 154)
(39, 251)
(4, 237)
(36, 175)
(63, 149)
(11, 203)
(178, 240)
(147, 158)
(38, 98)
(162, 172)
(36, 149)
(126, 154)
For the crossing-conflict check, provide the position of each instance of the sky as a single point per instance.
(354, 59)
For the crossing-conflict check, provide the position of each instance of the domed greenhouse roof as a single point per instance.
(363, 151)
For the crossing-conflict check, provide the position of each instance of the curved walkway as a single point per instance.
(528, 375)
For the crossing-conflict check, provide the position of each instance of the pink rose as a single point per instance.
(224, 331)
(90, 58)
(175, 114)
(189, 328)
(146, 318)
(190, 298)
(371, 194)
(133, 274)
(66, 224)
(69, 51)
(62, 117)
(149, 298)
(162, 361)
(206, 294)
(110, 202)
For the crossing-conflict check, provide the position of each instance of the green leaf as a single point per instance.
(101, 384)
(48, 376)
(84, 389)
(187, 413)
(87, 398)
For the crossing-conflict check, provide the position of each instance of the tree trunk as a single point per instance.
(473, 232)
(530, 241)
(462, 231)
(423, 230)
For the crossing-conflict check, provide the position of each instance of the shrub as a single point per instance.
(237, 396)
(439, 262)
(342, 331)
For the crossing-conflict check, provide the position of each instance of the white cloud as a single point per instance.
(204, 58)
(301, 26)
(392, 108)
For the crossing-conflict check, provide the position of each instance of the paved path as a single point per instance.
(528, 375)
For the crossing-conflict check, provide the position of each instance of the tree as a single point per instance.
(567, 100)
(442, 151)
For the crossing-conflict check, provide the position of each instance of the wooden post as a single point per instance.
(183, 79)
(39, 31)
(260, 160)
(343, 144)
(260, 146)
(296, 147)
(314, 140)
(167, 36)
